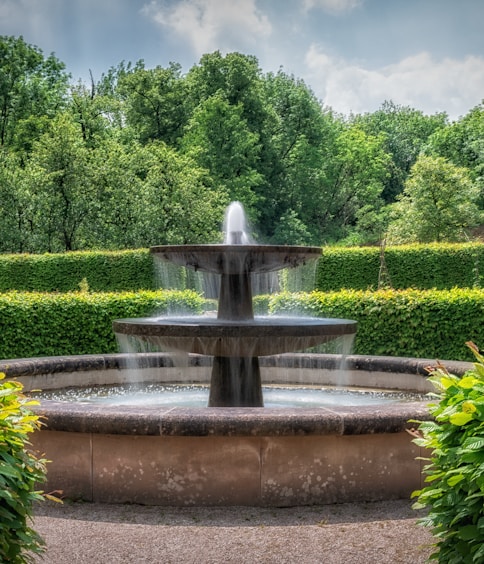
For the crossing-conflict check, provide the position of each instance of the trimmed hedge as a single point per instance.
(64, 272)
(430, 324)
(427, 324)
(36, 324)
(440, 266)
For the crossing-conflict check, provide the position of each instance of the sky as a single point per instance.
(353, 54)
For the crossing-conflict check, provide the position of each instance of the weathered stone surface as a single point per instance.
(226, 456)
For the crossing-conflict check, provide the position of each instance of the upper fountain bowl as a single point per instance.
(234, 259)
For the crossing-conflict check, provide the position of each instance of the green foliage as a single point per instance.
(152, 156)
(439, 203)
(63, 272)
(440, 266)
(455, 472)
(462, 143)
(394, 323)
(348, 267)
(413, 323)
(155, 101)
(32, 89)
(37, 324)
(218, 139)
(59, 180)
(405, 132)
(20, 472)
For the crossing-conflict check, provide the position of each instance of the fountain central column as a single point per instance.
(236, 380)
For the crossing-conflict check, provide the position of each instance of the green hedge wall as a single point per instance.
(37, 324)
(430, 324)
(440, 266)
(63, 272)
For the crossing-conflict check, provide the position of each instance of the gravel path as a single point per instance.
(366, 533)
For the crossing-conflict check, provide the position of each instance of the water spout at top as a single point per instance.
(235, 225)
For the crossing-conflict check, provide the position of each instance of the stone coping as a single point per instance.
(83, 363)
(201, 422)
(229, 421)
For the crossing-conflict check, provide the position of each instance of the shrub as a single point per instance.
(38, 324)
(20, 471)
(440, 266)
(455, 473)
(418, 323)
(103, 271)
(425, 324)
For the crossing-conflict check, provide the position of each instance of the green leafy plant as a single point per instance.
(418, 323)
(440, 266)
(40, 324)
(84, 286)
(20, 472)
(455, 472)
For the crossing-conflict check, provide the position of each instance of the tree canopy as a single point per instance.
(153, 155)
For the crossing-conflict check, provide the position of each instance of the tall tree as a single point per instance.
(218, 139)
(298, 137)
(150, 194)
(438, 203)
(15, 205)
(32, 90)
(154, 101)
(97, 114)
(237, 76)
(462, 143)
(352, 188)
(59, 179)
(181, 205)
(406, 132)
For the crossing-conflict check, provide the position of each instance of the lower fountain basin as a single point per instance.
(229, 456)
(209, 336)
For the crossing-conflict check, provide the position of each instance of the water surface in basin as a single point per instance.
(174, 395)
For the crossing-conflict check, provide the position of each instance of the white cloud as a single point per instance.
(332, 6)
(450, 85)
(212, 24)
(25, 14)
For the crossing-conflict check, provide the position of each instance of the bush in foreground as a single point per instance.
(455, 473)
(20, 471)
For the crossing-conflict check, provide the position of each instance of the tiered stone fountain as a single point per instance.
(235, 339)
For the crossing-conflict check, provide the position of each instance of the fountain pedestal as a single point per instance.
(235, 382)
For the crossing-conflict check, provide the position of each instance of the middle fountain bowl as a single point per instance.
(235, 338)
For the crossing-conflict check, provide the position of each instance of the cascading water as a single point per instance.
(235, 339)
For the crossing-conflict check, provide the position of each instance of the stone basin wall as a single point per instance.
(227, 456)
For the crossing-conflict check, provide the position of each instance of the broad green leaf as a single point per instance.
(447, 382)
(468, 382)
(460, 418)
(454, 480)
(9, 471)
(469, 407)
(469, 532)
(474, 443)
